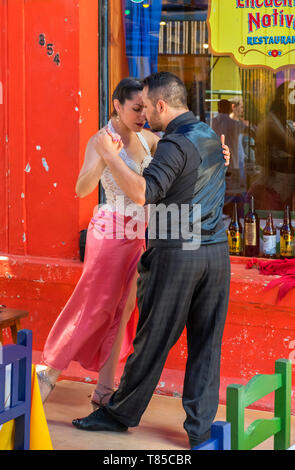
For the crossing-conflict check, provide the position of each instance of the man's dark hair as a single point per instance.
(168, 87)
(125, 90)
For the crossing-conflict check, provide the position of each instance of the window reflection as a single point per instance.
(254, 108)
(274, 184)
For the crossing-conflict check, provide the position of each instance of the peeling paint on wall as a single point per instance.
(45, 164)
(41, 280)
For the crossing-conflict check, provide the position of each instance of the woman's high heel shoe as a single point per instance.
(99, 398)
(45, 385)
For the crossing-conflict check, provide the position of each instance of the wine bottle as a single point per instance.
(251, 231)
(269, 238)
(287, 236)
(235, 234)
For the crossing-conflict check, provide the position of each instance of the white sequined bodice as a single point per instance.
(112, 191)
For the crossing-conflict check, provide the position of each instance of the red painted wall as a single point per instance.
(52, 138)
(50, 111)
(3, 129)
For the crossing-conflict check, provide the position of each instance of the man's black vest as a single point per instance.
(209, 189)
(194, 227)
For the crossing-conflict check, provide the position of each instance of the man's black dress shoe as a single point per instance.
(196, 441)
(99, 420)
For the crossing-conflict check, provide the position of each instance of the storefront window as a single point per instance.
(253, 107)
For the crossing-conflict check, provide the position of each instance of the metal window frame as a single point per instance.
(103, 72)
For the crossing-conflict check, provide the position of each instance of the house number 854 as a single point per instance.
(49, 49)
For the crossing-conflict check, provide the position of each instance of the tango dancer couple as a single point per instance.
(176, 282)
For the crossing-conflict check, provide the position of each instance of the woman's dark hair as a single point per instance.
(125, 89)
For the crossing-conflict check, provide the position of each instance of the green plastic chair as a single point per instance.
(240, 397)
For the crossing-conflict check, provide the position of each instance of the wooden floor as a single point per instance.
(161, 427)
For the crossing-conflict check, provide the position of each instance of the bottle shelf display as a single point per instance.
(253, 237)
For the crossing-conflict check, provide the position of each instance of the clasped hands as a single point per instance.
(109, 145)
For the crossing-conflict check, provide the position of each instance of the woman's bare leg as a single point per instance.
(106, 377)
(47, 379)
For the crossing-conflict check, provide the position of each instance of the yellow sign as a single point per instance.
(256, 33)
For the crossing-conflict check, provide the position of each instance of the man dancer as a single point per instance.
(179, 285)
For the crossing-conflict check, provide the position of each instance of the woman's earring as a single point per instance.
(118, 118)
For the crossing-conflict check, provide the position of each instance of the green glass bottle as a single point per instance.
(235, 234)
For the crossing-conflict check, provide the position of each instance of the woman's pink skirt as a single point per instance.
(86, 328)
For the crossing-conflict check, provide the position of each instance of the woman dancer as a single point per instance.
(90, 328)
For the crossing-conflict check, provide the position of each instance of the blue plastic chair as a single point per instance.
(19, 356)
(220, 437)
